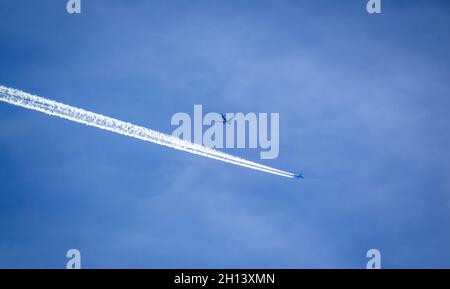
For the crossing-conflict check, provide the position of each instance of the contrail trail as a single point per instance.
(50, 107)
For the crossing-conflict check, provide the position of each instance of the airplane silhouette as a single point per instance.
(225, 120)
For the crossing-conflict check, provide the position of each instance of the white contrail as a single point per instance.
(23, 99)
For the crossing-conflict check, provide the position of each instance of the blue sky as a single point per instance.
(364, 113)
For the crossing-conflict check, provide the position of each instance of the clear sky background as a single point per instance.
(364, 113)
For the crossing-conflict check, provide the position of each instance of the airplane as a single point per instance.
(299, 176)
(225, 120)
